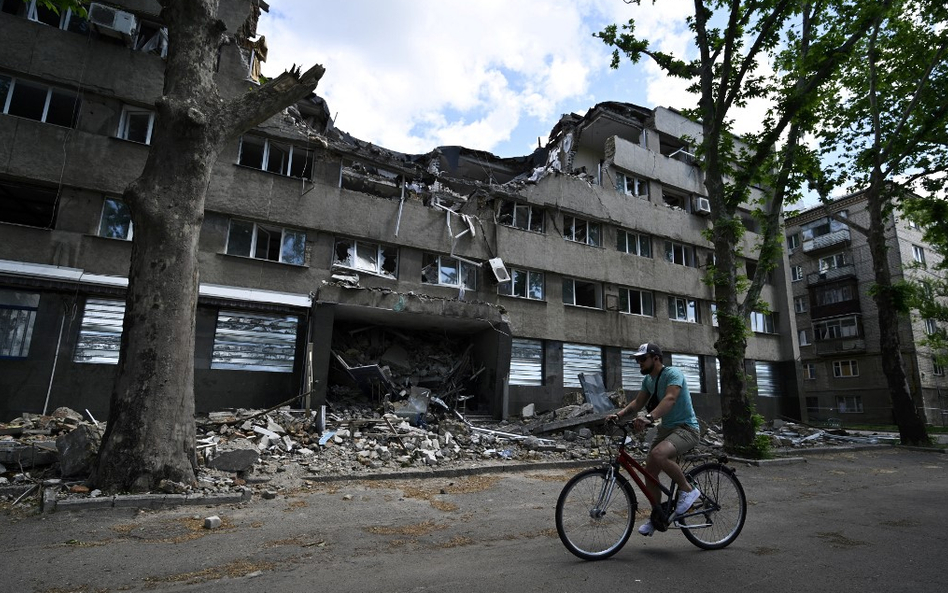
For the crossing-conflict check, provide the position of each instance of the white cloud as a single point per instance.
(410, 75)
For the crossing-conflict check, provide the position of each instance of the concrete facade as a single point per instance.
(840, 370)
(600, 231)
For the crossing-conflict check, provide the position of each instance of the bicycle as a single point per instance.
(595, 512)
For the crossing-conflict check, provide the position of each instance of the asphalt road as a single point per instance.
(850, 521)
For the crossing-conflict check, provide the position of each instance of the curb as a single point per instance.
(50, 503)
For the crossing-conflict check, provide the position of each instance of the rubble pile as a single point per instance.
(270, 451)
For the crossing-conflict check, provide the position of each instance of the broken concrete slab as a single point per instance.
(587, 420)
(236, 461)
(78, 449)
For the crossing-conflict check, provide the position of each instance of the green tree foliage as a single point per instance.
(782, 51)
(886, 135)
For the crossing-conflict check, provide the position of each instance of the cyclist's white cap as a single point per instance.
(646, 349)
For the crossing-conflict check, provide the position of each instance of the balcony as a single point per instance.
(840, 237)
(840, 346)
(847, 271)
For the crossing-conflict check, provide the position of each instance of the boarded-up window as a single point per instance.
(100, 335)
(580, 358)
(526, 362)
(768, 379)
(17, 315)
(254, 342)
(690, 366)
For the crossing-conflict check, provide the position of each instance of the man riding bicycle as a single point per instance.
(678, 432)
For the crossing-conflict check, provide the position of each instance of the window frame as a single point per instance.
(570, 231)
(809, 371)
(827, 327)
(20, 309)
(511, 288)
(121, 209)
(383, 253)
(267, 152)
(535, 216)
(763, 323)
(255, 245)
(626, 240)
(465, 271)
(687, 253)
(843, 404)
(6, 98)
(796, 273)
(801, 304)
(690, 304)
(803, 336)
(625, 294)
(624, 180)
(834, 261)
(128, 111)
(918, 254)
(852, 366)
(574, 290)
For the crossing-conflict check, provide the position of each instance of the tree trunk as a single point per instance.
(150, 435)
(731, 345)
(911, 427)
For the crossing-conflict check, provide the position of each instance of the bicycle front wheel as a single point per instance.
(718, 516)
(595, 515)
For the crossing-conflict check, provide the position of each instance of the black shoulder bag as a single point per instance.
(653, 400)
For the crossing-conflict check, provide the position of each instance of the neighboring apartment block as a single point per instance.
(831, 270)
(535, 268)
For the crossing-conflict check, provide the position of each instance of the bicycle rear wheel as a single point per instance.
(718, 516)
(594, 516)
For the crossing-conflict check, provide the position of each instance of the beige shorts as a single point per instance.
(683, 437)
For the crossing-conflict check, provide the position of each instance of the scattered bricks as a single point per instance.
(212, 522)
(79, 489)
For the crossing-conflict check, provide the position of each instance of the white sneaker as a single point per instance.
(685, 500)
(647, 528)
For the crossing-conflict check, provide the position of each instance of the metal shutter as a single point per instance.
(580, 358)
(526, 362)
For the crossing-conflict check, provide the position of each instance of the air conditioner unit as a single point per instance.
(702, 206)
(113, 22)
(499, 269)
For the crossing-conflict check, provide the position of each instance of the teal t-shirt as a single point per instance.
(683, 412)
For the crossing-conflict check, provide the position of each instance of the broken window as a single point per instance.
(276, 157)
(116, 220)
(525, 284)
(136, 124)
(26, 204)
(39, 102)
(630, 185)
(829, 295)
(582, 231)
(376, 259)
(635, 302)
(448, 271)
(370, 179)
(521, 216)
(581, 293)
(682, 309)
(824, 226)
(526, 362)
(673, 199)
(152, 37)
(634, 243)
(254, 342)
(249, 239)
(678, 253)
(17, 316)
(100, 334)
(580, 358)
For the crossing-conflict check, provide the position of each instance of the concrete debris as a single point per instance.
(269, 453)
(212, 522)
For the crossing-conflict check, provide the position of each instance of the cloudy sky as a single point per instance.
(494, 75)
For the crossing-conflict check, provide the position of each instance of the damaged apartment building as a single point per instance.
(326, 261)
